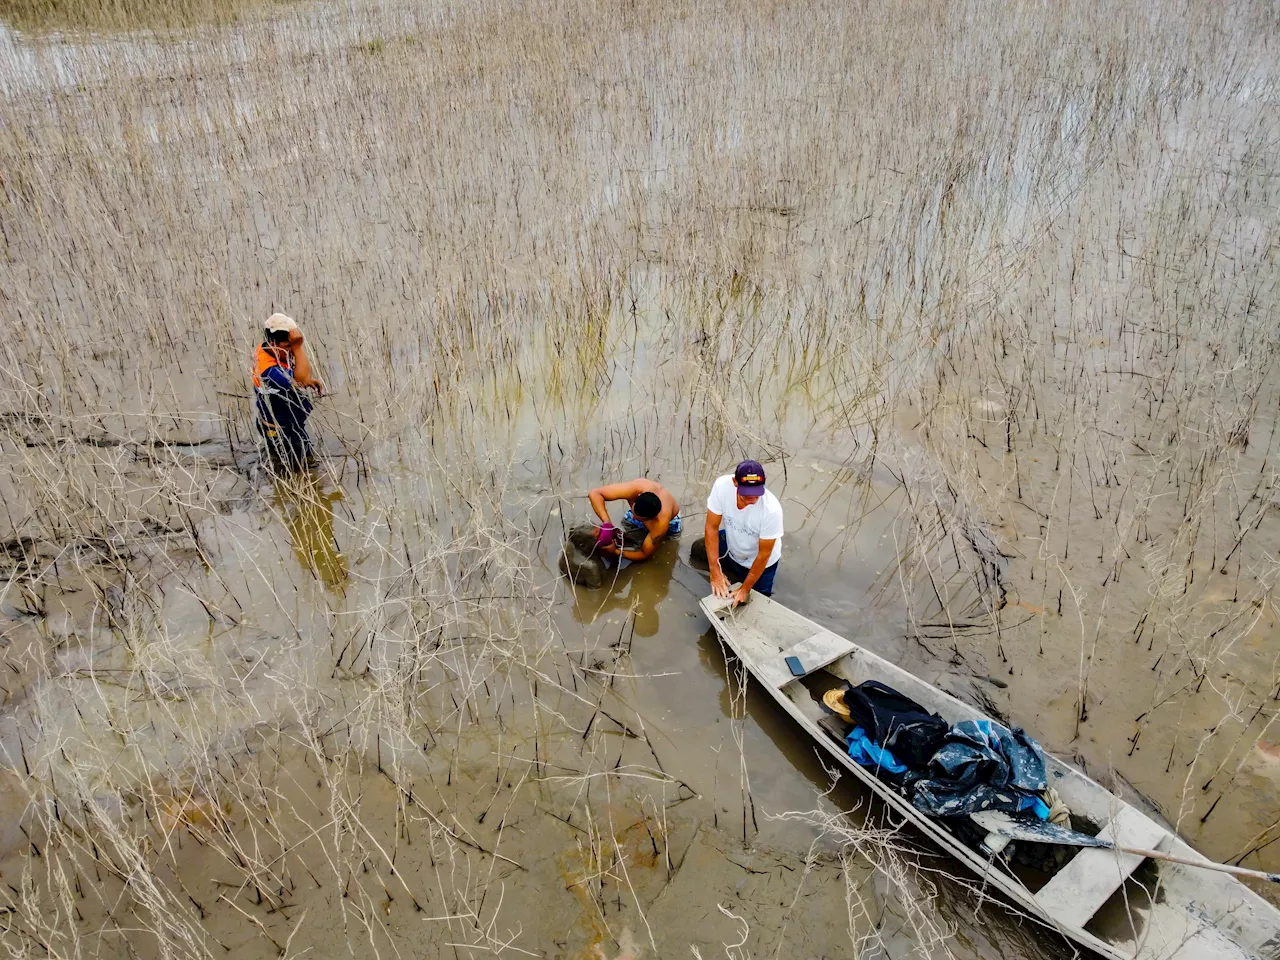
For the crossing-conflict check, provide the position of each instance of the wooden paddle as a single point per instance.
(1041, 831)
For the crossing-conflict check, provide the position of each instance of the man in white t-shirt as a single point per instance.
(746, 520)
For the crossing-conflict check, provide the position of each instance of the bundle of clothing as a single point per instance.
(945, 770)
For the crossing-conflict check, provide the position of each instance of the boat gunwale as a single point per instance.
(1021, 898)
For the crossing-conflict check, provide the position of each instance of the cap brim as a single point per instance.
(751, 489)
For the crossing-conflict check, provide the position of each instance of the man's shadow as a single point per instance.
(638, 587)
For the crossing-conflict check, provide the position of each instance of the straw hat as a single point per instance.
(834, 699)
(279, 323)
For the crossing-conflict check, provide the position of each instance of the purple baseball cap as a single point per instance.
(750, 478)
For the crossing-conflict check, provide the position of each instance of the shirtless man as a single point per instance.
(653, 509)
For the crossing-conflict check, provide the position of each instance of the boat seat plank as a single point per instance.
(1079, 889)
(813, 652)
(773, 671)
(819, 650)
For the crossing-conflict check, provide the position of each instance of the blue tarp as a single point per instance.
(869, 754)
(982, 765)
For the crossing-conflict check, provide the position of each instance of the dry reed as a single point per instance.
(1022, 256)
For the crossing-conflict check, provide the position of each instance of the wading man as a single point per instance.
(745, 520)
(652, 509)
(280, 371)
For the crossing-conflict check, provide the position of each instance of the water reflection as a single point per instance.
(306, 508)
(789, 740)
(636, 587)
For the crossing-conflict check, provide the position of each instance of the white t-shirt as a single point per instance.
(744, 529)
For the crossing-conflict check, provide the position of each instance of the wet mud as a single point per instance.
(1018, 403)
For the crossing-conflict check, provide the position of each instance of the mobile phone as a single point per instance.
(794, 665)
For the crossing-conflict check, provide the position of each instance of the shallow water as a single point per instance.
(1018, 403)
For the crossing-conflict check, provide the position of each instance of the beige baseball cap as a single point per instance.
(279, 323)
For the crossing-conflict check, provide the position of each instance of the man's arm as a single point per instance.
(758, 567)
(650, 545)
(302, 363)
(599, 496)
(647, 550)
(719, 582)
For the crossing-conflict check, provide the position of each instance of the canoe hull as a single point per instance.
(1213, 915)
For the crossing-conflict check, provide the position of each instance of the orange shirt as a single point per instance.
(265, 358)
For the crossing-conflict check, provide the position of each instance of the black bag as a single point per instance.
(896, 722)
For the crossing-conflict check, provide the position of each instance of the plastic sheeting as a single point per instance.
(982, 765)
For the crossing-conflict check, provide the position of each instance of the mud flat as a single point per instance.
(988, 289)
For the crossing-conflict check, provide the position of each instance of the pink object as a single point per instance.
(605, 536)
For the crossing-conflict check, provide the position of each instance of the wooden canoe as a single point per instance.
(1193, 914)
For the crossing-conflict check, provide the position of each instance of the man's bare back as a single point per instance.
(659, 519)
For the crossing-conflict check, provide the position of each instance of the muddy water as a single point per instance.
(282, 690)
(286, 571)
(312, 542)
(731, 762)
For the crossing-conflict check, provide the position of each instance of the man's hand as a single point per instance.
(741, 595)
(719, 584)
(609, 540)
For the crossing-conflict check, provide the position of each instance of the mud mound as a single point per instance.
(582, 569)
(698, 553)
(581, 561)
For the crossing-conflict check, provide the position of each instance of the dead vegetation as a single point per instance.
(1022, 258)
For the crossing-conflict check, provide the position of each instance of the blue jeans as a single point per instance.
(288, 448)
(737, 573)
